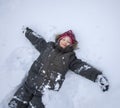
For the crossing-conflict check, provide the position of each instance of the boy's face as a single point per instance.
(64, 42)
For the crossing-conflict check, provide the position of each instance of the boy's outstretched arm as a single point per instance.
(37, 40)
(84, 69)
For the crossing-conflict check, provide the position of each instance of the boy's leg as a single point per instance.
(36, 102)
(21, 98)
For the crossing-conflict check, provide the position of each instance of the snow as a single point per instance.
(96, 24)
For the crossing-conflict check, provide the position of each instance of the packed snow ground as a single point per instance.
(96, 24)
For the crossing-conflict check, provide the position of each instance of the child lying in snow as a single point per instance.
(50, 68)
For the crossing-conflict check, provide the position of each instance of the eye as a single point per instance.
(68, 42)
(63, 39)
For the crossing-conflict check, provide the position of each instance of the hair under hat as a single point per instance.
(68, 33)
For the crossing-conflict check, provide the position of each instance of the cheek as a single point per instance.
(60, 43)
(68, 44)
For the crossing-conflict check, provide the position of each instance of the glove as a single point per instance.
(26, 30)
(103, 82)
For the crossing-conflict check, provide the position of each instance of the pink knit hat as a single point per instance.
(69, 34)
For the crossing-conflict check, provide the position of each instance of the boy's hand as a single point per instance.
(103, 82)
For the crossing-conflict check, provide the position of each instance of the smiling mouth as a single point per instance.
(63, 45)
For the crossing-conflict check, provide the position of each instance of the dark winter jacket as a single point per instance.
(49, 70)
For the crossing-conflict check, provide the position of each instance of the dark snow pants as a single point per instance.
(23, 98)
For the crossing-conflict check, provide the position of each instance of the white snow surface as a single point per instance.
(96, 24)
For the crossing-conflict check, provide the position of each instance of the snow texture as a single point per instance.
(96, 24)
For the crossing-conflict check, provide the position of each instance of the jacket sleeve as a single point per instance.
(84, 69)
(37, 40)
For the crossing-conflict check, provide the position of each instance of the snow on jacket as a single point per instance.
(50, 68)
